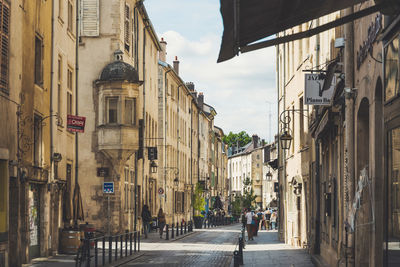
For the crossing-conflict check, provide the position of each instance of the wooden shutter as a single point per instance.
(90, 18)
(4, 44)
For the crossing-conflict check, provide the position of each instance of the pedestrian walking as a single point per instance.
(254, 223)
(273, 220)
(146, 218)
(260, 217)
(268, 219)
(249, 226)
(161, 221)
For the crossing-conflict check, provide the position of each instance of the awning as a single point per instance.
(248, 21)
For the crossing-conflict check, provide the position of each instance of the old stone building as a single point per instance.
(118, 96)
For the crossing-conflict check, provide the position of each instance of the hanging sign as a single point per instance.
(76, 123)
(108, 187)
(314, 89)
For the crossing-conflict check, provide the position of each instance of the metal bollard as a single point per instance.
(172, 230)
(240, 251)
(181, 228)
(177, 229)
(185, 228)
(166, 232)
(236, 259)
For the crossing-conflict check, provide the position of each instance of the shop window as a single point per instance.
(392, 69)
(112, 109)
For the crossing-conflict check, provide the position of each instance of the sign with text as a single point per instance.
(108, 187)
(315, 92)
(76, 123)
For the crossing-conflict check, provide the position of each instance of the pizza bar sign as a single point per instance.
(76, 123)
(315, 93)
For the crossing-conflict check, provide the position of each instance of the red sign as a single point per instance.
(76, 123)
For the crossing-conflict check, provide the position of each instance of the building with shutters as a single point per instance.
(118, 75)
(10, 88)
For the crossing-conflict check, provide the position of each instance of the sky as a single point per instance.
(241, 90)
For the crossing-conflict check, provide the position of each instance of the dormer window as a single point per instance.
(112, 109)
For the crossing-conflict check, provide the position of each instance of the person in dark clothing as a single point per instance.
(161, 221)
(146, 218)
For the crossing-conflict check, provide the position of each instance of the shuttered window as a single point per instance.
(90, 17)
(127, 31)
(4, 44)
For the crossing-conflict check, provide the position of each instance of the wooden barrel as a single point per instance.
(69, 241)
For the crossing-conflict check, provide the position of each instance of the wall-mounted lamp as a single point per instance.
(153, 167)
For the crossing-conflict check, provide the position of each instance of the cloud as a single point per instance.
(239, 88)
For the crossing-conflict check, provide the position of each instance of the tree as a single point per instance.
(198, 200)
(236, 206)
(248, 195)
(233, 139)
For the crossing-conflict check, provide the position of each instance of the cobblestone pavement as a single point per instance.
(208, 247)
(267, 251)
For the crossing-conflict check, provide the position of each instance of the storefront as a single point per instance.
(392, 144)
(3, 211)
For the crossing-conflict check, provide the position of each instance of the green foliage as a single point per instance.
(232, 139)
(236, 206)
(198, 200)
(248, 196)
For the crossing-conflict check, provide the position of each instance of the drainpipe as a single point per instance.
(76, 87)
(349, 132)
(144, 182)
(165, 132)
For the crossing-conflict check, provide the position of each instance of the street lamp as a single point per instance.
(269, 175)
(286, 140)
(153, 167)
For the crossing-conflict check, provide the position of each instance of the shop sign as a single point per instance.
(76, 123)
(314, 90)
(367, 46)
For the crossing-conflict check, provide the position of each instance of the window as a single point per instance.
(37, 141)
(69, 104)
(302, 135)
(132, 188)
(127, 31)
(392, 69)
(60, 9)
(38, 61)
(70, 16)
(59, 86)
(70, 79)
(126, 188)
(112, 110)
(129, 113)
(4, 44)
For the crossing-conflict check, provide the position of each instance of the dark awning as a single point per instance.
(248, 21)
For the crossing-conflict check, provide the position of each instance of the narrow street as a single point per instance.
(215, 246)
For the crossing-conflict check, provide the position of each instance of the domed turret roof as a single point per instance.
(119, 71)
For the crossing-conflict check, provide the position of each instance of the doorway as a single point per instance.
(34, 221)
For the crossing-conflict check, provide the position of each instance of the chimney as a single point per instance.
(200, 100)
(255, 140)
(163, 52)
(190, 86)
(176, 65)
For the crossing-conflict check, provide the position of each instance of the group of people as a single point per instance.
(147, 220)
(254, 221)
